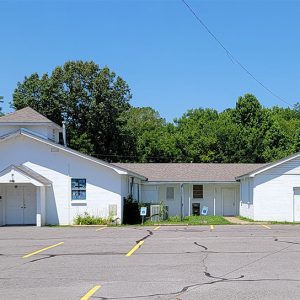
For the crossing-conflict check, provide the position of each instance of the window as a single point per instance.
(170, 193)
(198, 191)
(78, 189)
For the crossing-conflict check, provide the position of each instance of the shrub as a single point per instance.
(174, 219)
(87, 219)
(131, 211)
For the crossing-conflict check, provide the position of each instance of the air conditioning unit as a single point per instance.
(155, 213)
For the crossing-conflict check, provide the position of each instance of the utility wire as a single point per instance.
(230, 55)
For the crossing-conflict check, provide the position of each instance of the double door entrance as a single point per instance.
(20, 205)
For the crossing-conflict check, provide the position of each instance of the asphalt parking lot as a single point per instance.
(178, 262)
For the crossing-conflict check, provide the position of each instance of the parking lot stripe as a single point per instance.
(266, 226)
(41, 250)
(137, 246)
(156, 228)
(212, 227)
(91, 292)
(100, 228)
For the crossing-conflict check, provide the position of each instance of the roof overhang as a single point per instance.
(22, 174)
(49, 124)
(189, 182)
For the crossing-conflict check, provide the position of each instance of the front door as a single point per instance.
(20, 205)
(296, 204)
(229, 203)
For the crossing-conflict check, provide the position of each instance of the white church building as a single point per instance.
(44, 182)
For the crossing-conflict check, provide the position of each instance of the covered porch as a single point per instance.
(194, 198)
(22, 196)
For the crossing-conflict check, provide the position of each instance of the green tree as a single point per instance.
(88, 98)
(196, 135)
(149, 137)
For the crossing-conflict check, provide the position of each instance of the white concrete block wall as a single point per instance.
(273, 192)
(273, 197)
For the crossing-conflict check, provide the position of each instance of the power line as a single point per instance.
(230, 55)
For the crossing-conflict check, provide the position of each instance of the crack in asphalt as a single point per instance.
(218, 279)
(205, 248)
(196, 285)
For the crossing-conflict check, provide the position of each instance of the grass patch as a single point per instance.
(283, 223)
(192, 220)
(245, 219)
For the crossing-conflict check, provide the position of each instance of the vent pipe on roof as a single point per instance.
(64, 133)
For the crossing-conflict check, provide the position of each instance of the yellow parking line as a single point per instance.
(137, 246)
(91, 292)
(156, 228)
(41, 250)
(266, 226)
(100, 228)
(212, 227)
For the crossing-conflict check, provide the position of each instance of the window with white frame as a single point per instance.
(78, 186)
(170, 193)
(198, 191)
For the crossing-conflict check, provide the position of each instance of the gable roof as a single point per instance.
(269, 166)
(26, 115)
(32, 135)
(29, 173)
(190, 172)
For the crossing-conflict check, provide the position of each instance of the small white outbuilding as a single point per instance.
(272, 192)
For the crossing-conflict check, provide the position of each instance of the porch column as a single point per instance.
(181, 201)
(214, 201)
(189, 199)
(40, 205)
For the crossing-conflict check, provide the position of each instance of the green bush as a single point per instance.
(131, 211)
(173, 219)
(87, 219)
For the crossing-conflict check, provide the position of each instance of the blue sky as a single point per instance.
(169, 61)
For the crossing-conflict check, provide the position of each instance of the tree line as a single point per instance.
(95, 103)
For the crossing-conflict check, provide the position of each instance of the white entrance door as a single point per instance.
(29, 205)
(20, 205)
(296, 204)
(229, 203)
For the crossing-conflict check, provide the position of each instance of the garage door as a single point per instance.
(297, 204)
(229, 205)
(20, 205)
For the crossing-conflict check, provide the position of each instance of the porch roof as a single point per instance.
(28, 173)
(190, 172)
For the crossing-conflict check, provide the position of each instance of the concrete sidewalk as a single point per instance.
(235, 220)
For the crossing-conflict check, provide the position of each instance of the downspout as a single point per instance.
(131, 186)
